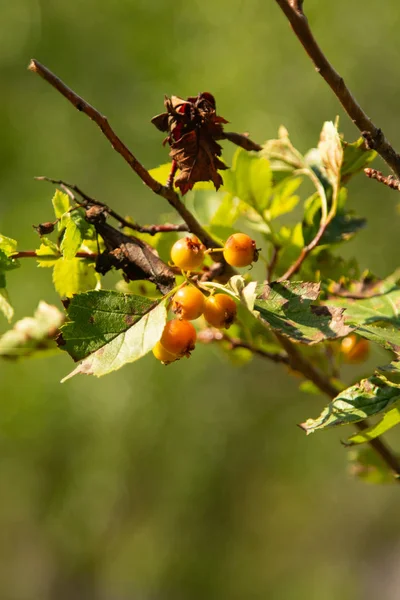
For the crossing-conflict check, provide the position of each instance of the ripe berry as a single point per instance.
(220, 311)
(188, 303)
(240, 250)
(163, 355)
(179, 337)
(354, 348)
(188, 253)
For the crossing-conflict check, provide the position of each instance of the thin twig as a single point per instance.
(150, 229)
(101, 121)
(388, 180)
(305, 252)
(207, 336)
(242, 140)
(34, 254)
(374, 135)
(272, 263)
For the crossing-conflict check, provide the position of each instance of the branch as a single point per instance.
(242, 140)
(34, 254)
(305, 252)
(373, 135)
(87, 200)
(207, 336)
(388, 180)
(101, 121)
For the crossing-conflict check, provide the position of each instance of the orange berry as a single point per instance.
(354, 348)
(220, 311)
(179, 337)
(240, 250)
(188, 253)
(188, 303)
(163, 355)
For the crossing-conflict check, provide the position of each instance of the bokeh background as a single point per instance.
(193, 481)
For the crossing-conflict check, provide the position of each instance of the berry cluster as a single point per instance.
(189, 303)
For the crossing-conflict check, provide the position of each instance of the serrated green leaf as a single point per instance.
(283, 199)
(109, 329)
(367, 465)
(32, 335)
(287, 307)
(387, 338)
(250, 179)
(48, 253)
(389, 420)
(365, 399)
(61, 203)
(7, 245)
(5, 306)
(355, 158)
(72, 239)
(73, 276)
(383, 307)
(227, 212)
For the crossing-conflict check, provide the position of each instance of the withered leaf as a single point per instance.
(193, 128)
(137, 259)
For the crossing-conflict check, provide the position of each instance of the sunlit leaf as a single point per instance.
(389, 420)
(288, 308)
(61, 203)
(109, 329)
(73, 276)
(365, 399)
(48, 253)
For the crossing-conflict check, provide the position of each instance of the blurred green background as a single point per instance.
(190, 482)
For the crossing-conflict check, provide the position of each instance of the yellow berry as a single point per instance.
(188, 253)
(163, 355)
(179, 337)
(188, 303)
(220, 311)
(240, 250)
(354, 348)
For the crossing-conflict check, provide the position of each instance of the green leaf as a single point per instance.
(355, 158)
(365, 399)
(384, 307)
(32, 335)
(72, 239)
(7, 263)
(109, 329)
(48, 253)
(250, 179)
(287, 308)
(74, 276)
(367, 465)
(283, 198)
(7, 245)
(331, 151)
(389, 420)
(388, 338)
(227, 212)
(61, 204)
(5, 306)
